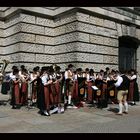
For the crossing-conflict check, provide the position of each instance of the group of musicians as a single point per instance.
(53, 91)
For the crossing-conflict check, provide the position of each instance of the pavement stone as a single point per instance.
(82, 120)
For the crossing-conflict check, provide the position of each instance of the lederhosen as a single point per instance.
(69, 84)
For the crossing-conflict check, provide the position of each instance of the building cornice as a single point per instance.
(110, 13)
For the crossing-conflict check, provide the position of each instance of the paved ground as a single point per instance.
(83, 120)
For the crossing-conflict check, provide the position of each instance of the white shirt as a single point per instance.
(44, 79)
(87, 76)
(133, 77)
(119, 81)
(12, 76)
(75, 77)
(67, 75)
(33, 76)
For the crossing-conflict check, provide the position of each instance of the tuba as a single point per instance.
(2, 73)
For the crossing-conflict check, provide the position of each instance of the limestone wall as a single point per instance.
(84, 39)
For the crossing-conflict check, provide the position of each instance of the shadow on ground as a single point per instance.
(4, 102)
(115, 110)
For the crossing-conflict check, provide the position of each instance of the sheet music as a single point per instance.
(94, 88)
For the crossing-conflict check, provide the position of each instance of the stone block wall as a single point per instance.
(97, 44)
(85, 40)
(24, 40)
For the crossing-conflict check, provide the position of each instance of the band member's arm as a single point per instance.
(17, 80)
(27, 77)
(45, 81)
(133, 77)
(61, 78)
(1, 75)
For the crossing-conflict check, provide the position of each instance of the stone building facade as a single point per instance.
(94, 37)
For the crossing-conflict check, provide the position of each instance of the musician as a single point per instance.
(52, 89)
(111, 89)
(22, 67)
(75, 94)
(81, 85)
(6, 84)
(69, 78)
(38, 70)
(11, 82)
(133, 95)
(92, 79)
(107, 72)
(89, 75)
(43, 95)
(15, 101)
(122, 85)
(58, 87)
(99, 84)
(24, 86)
(33, 79)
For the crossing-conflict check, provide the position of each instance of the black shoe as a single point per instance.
(13, 107)
(132, 104)
(40, 112)
(46, 113)
(91, 105)
(135, 104)
(89, 102)
(125, 112)
(119, 114)
(52, 107)
(17, 107)
(70, 105)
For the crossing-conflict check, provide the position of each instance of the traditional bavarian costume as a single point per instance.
(46, 83)
(133, 92)
(24, 87)
(33, 79)
(15, 99)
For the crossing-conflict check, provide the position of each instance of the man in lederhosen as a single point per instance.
(122, 85)
(69, 79)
